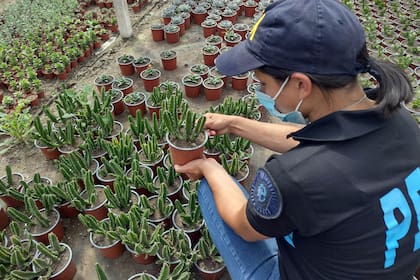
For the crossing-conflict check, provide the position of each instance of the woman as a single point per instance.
(342, 201)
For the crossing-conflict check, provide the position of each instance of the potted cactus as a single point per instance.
(168, 58)
(54, 261)
(172, 33)
(213, 87)
(104, 82)
(91, 200)
(209, 27)
(10, 188)
(235, 167)
(210, 52)
(187, 217)
(103, 234)
(158, 208)
(125, 63)
(142, 63)
(214, 40)
(150, 77)
(135, 101)
(172, 181)
(108, 172)
(157, 128)
(209, 263)
(155, 100)
(122, 199)
(75, 165)
(141, 178)
(192, 85)
(150, 153)
(124, 84)
(46, 139)
(185, 136)
(142, 238)
(40, 222)
(211, 147)
(116, 100)
(240, 82)
(157, 32)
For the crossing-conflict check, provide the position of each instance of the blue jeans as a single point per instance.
(244, 260)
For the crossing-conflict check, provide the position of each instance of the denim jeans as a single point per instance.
(244, 260)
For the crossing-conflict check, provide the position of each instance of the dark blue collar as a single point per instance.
(340, 126)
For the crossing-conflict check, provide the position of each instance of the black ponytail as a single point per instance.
(394, 85)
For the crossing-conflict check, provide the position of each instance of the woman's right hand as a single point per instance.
(217, 124)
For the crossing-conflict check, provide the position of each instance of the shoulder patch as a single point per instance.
(265, 196)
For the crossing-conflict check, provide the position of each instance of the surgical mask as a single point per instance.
(269, 103)
(295, 116)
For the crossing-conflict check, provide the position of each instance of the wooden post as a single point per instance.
(123, 18)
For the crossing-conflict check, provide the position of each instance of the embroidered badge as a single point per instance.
(265, 197)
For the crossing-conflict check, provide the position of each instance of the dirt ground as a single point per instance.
(28, 160)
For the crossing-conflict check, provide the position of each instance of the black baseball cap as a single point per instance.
(311, 36)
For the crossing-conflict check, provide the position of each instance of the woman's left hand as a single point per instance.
(192, 169)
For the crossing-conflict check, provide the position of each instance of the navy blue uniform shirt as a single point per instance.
(345, 203)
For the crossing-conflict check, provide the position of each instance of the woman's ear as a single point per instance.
(303, 84)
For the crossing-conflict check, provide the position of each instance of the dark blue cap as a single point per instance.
(311, 36)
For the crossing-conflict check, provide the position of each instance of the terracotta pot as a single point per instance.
(213, 93)
(210, 275)
(198, 18)
(136, 8)
(99, 211)
(209, 30)
(240, 82)
(249, 11)
(67, 210)
(214, 155)
(194, 234)
(172, 38)
(56, 227)
(209, 58)
(192, 90)
(118, 103)
(4, 219)
(169, 63)
(182, 155)
(67, 271)
(125, 90)
(49, 153)
(126, 69)
(165, 220)
(113, 251)
(158, 34)
(140, 106)
(104, 86)
(150, 83)
(140, 67)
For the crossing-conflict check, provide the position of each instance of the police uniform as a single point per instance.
(345, 203)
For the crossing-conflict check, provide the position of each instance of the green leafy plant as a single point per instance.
(210, 49)
(193, 79)
(18, 123)
(126, 58)
(167, 54)
(213, 81)
(104, 79)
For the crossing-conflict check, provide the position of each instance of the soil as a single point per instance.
(28, 160)
(61, 262)
(37, 228)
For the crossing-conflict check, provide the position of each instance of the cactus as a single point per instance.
(74, 165)
(121, 197)
(150, 151)
(100, 272)
(167, 176)
(121, 149)
(155, 128)
(73, 191)
(141, 177)
(137, 125)
(45, 134)
(233, 166)
(190, 213)
(185, 128)
(175, 245)
(207, 249)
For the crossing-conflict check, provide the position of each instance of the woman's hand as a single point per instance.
(192, 169)
(217, 124)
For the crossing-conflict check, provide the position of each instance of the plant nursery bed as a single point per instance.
(85, 109)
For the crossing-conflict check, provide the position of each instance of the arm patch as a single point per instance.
(265, 197)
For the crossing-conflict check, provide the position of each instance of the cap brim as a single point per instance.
(237, 60)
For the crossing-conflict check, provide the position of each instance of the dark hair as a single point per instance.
(394, 85)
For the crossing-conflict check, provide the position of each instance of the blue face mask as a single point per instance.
(269, 103)
(295, 116)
